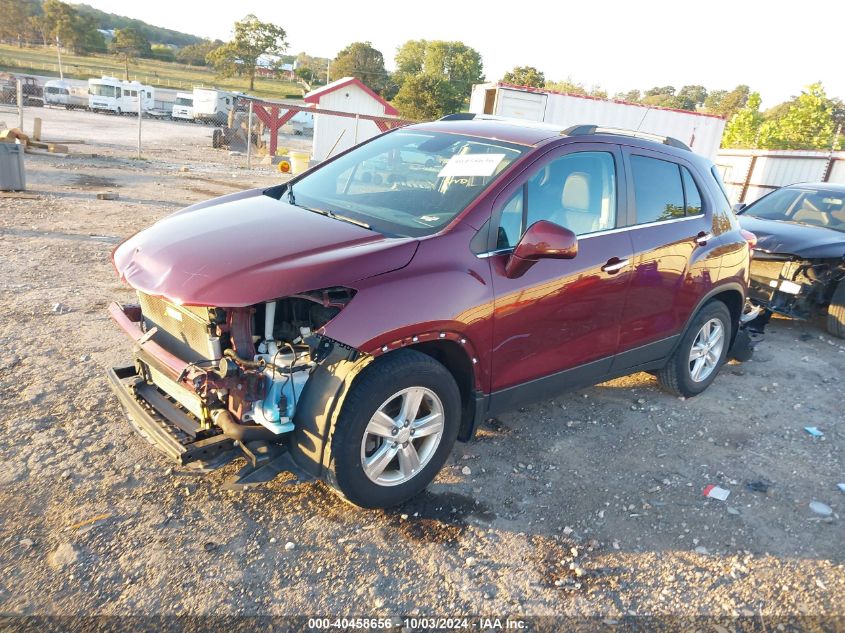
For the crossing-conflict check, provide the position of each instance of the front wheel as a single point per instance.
(836, 311)
(701, 352)
(395, 431)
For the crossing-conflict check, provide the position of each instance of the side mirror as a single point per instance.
(542, 240)
(738, 207)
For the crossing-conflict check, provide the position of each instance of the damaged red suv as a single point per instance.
(366, 314)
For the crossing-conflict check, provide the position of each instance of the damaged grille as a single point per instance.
(183, 331)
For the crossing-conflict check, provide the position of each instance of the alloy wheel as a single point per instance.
(402, 436)
(706, 350)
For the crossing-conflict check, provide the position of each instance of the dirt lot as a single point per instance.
(589, 504)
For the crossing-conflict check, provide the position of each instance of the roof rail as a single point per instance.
(585, 130)
(458, 116)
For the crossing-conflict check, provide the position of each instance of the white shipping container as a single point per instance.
(760, 171)
(702, 132)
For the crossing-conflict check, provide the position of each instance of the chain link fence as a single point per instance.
(201, 127)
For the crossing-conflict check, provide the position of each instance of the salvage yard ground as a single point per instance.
(587, 504)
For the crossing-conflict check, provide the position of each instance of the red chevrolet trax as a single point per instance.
(361, 317)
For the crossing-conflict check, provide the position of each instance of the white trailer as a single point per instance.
(213, 106)
(60, 93)
(751, 173)
(702, 132)
(109, 94)
(183, 107)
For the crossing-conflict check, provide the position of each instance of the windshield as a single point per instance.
(100, 90)
(182, 101)
(816, 207)
(406, 183)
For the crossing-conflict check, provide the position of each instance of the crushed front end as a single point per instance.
(206, 380)
(792, 286)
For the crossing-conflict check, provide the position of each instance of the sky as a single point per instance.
(775, 47)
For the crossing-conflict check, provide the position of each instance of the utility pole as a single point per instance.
(59, 53)
(328, 71)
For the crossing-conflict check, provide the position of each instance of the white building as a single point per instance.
(702, 132)
(333, 134)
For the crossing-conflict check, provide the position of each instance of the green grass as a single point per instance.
(43, 61)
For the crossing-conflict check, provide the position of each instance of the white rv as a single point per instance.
(64, 94)
(109, 94)
(213, 106)
(183, 107)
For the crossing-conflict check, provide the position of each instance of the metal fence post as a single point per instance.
(249, 137)
(19, 86)
(140, 101)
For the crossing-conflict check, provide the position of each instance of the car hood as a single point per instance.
(792, 238)
(246, 248)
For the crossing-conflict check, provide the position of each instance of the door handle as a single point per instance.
(702, 238)
(614, 265)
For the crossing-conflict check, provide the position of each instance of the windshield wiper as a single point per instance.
(336, 216)
(328, 214)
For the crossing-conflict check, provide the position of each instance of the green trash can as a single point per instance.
(12, 170)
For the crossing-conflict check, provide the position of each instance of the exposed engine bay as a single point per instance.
(243, 369)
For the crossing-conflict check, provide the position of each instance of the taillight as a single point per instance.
(750, 238)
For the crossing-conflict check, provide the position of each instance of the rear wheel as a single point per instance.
(836, 311)
(397, 427)
(701, 352)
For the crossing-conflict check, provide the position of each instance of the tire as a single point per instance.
(678, 375)
(387, 385)
(836, 311)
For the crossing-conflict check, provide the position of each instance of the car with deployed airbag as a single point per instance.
(360, 318)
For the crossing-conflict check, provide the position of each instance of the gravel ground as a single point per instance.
(589, 504)
(169, 143)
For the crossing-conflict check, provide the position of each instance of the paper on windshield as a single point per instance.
(471, 165)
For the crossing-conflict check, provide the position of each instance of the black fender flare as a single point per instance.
(320, 403)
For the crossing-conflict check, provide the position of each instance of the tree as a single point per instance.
(568, 85)
(691, 97)
(163, 52)
(362, 61)
(808, 123)
(727, 103)
(525, 76)
(453, 61)
(447, 69)
(424, 97)
(128, 44)
(632, 96)
(743, 130)
(75, 31)
(195, 54)
(17, 16)
(661, 96)
(252, 39)
(311, 69)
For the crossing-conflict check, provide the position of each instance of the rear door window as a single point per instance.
(692, 195)
(658, 192)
